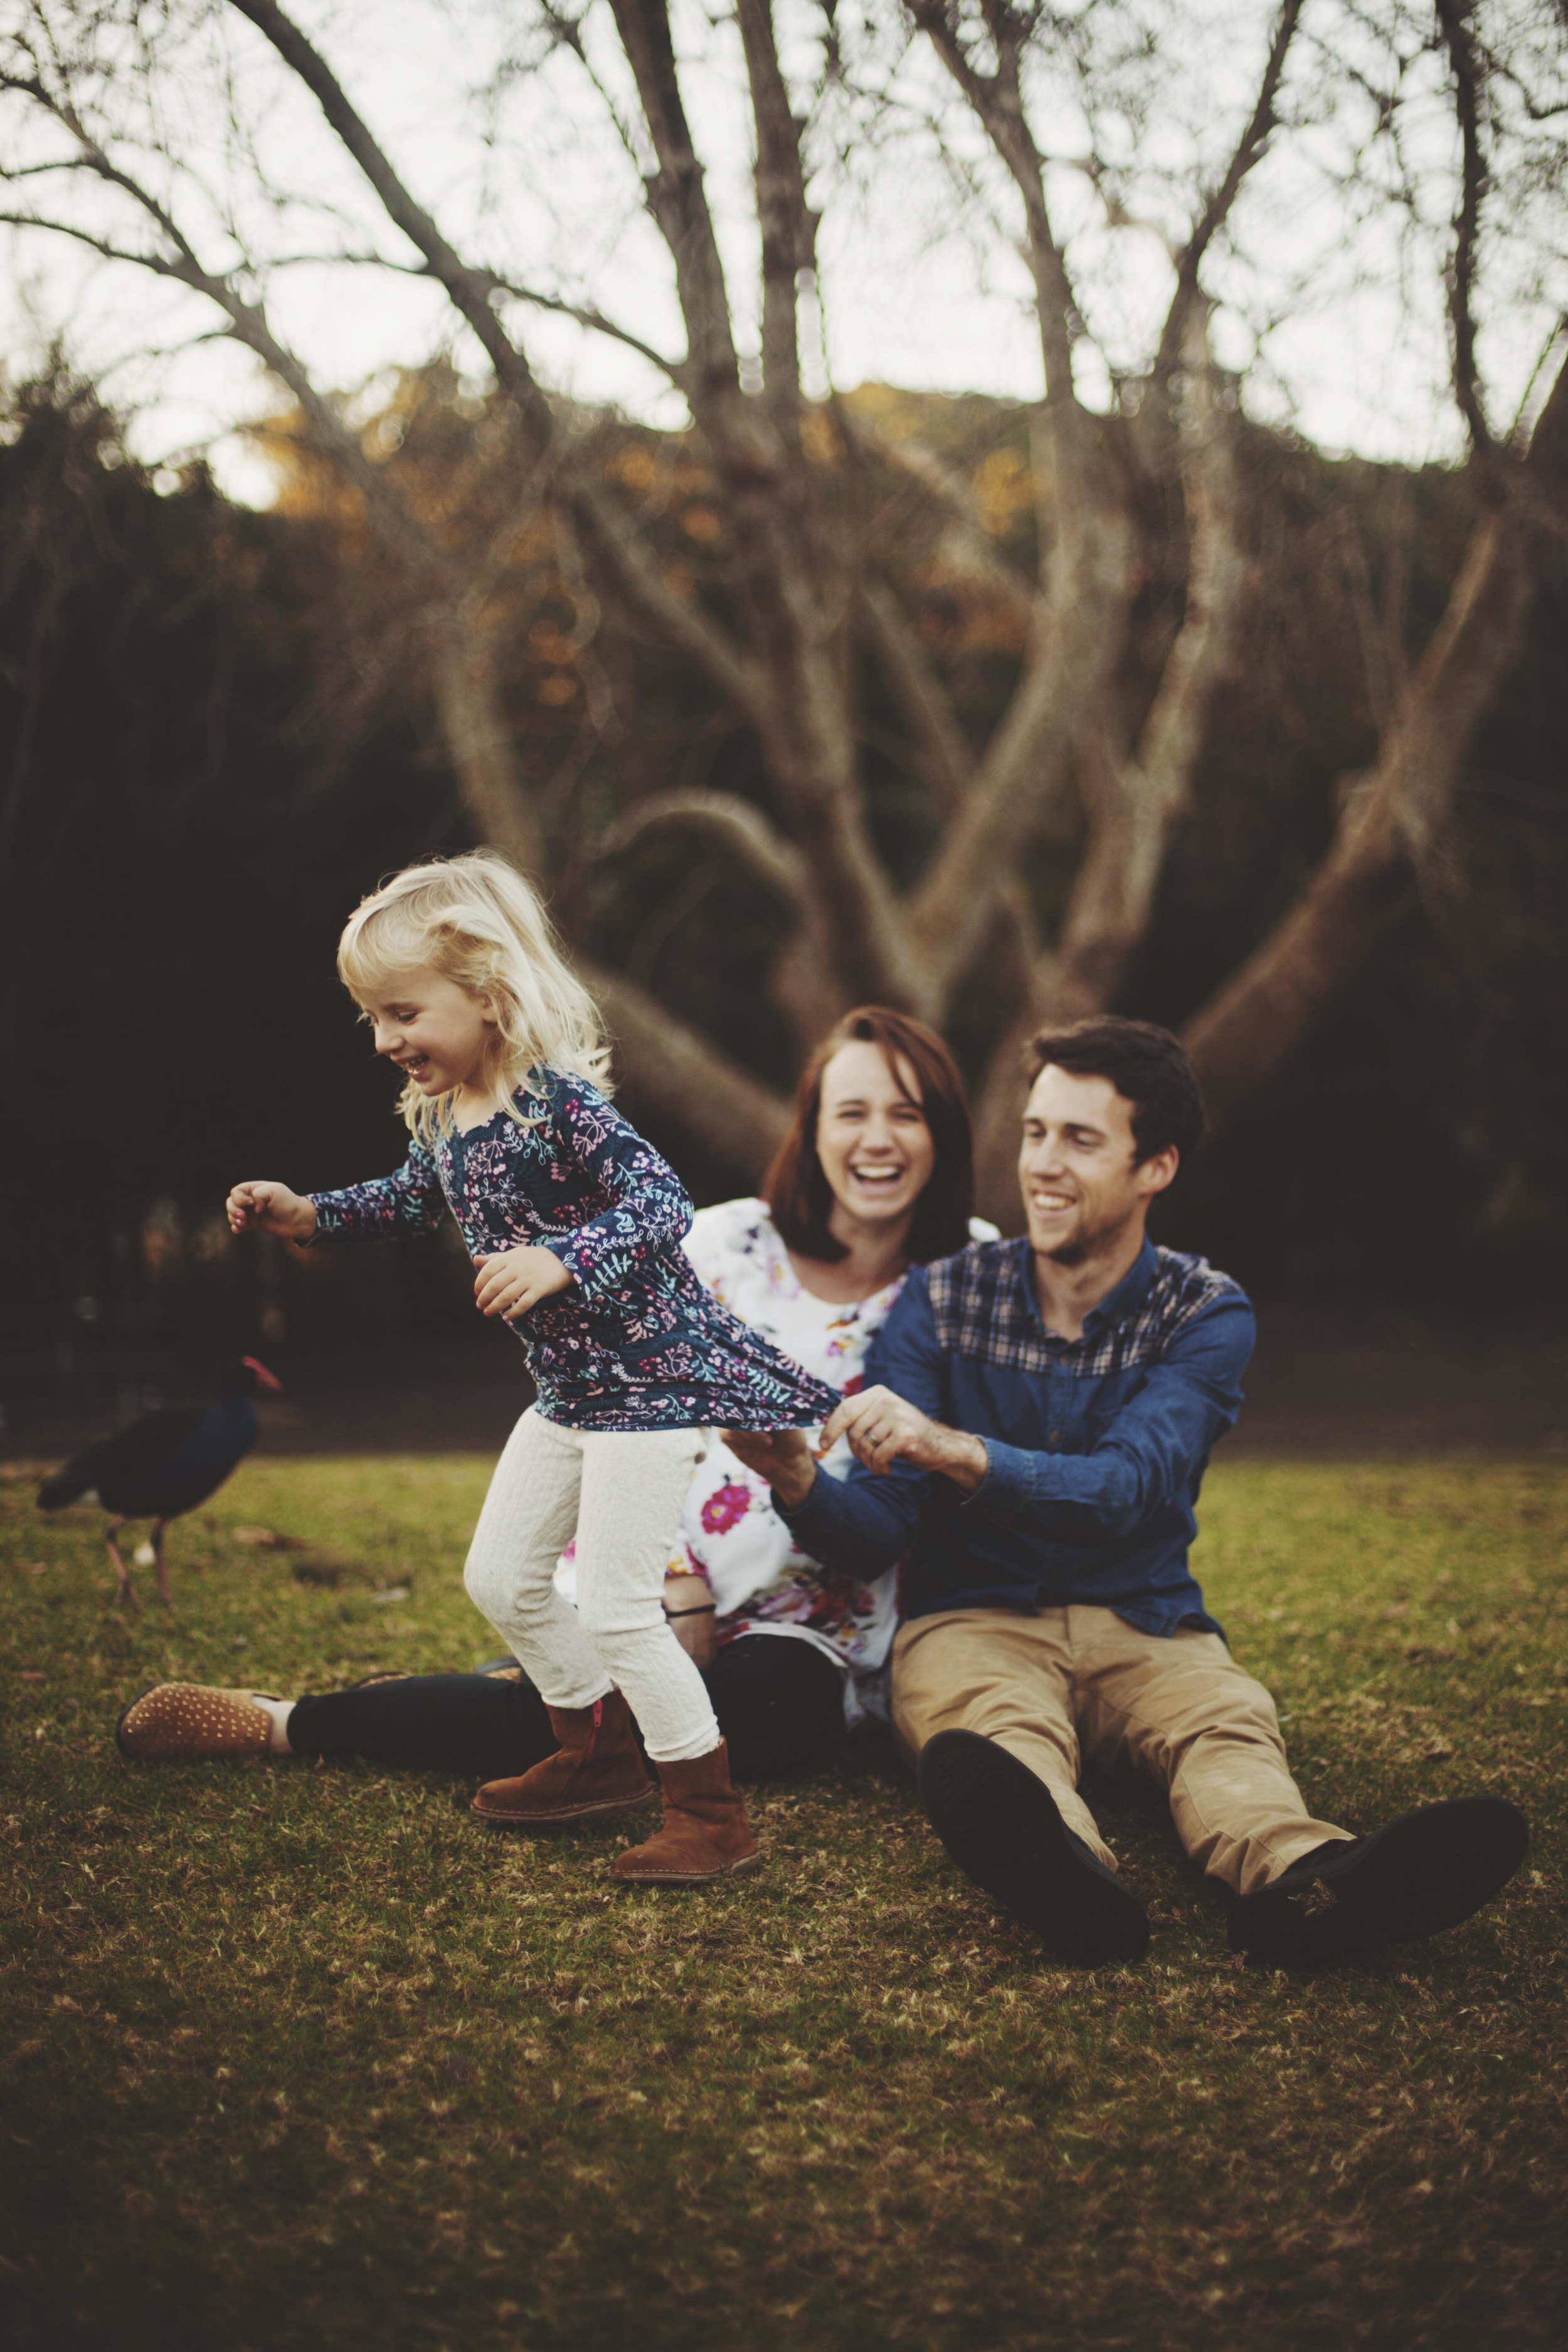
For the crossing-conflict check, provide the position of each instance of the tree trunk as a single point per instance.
(1391, 818)
(1245, 1036)
(677, 1081)
(478, 742)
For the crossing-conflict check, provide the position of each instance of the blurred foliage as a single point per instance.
(217, 733)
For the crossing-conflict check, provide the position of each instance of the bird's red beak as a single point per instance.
(268, 1380)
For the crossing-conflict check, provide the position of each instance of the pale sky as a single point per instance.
(1339, 321)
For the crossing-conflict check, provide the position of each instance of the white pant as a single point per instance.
(620, 1492)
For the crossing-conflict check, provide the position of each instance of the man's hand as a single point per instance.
(270, 1209)
(513, 1280)
(883, 1429)
(782, 1456)
(688, 1605)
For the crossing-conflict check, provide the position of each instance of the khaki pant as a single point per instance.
(1082, 1683)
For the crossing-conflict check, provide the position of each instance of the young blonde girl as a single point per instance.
(574, 1224)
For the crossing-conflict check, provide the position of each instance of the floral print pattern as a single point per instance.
(637, 1341)
(726, 1508)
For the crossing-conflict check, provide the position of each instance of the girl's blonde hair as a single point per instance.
(474, 919)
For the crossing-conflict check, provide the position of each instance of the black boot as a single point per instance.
(1418, 1874)
(1001, 1827)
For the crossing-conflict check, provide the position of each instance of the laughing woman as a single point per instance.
(875, 1175)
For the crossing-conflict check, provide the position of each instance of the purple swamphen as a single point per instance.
(163, 1466)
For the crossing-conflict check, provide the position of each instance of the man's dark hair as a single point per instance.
(1143, 1063)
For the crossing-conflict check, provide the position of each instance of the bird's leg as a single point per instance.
(160, 1565)
(126, 1591)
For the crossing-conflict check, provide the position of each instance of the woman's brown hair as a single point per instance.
(794, 1187)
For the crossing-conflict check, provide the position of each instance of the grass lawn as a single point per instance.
(303, 2057)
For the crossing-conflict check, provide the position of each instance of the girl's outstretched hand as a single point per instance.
(513, 1280)
(270, 1209)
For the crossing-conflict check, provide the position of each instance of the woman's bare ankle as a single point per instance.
(279, 1709)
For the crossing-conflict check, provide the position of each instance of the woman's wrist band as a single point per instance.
(703, 1609)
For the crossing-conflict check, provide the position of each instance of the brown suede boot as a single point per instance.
(597, 1768)
(705, 1834)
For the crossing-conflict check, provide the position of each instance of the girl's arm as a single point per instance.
(651, 1210)
(263, 1207)
(393, 1207)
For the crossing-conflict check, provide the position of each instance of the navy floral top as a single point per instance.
(636, 1342)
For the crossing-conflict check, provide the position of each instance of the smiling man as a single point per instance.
(1037, 1421)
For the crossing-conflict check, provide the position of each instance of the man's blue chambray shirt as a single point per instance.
(1097, 1445)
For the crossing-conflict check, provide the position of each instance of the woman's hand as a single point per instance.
(782, 1456)
(688, 1605)
(270, 1209)
(513, 1280)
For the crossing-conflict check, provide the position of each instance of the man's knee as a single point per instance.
(1000, 1708)
(950, 1674)
(1242, 1709)
(1200, 1689)
(1235, 1716)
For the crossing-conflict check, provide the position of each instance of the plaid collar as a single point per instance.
(983, 1305)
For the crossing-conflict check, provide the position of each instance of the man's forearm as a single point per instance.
(858, 1524)
(952, 1451)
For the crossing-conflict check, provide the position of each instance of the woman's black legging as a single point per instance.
(780, 1705)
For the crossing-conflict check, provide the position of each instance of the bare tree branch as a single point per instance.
(1133, 799)
(246, 323)
(1455, 18)
(943, 755)
(677, 1080)
(597, 323)
(677, 201)
(782, 589)
(1218, 205)
(1391, 817)
(997, 99)
(788, 226)
(1080, 627)
(1076, 643)
(677, 619)
(478, 740)
(1381, 633)
(966, 544)
(732, 825)
(469, 290)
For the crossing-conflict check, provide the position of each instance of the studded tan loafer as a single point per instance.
(186, 1723)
